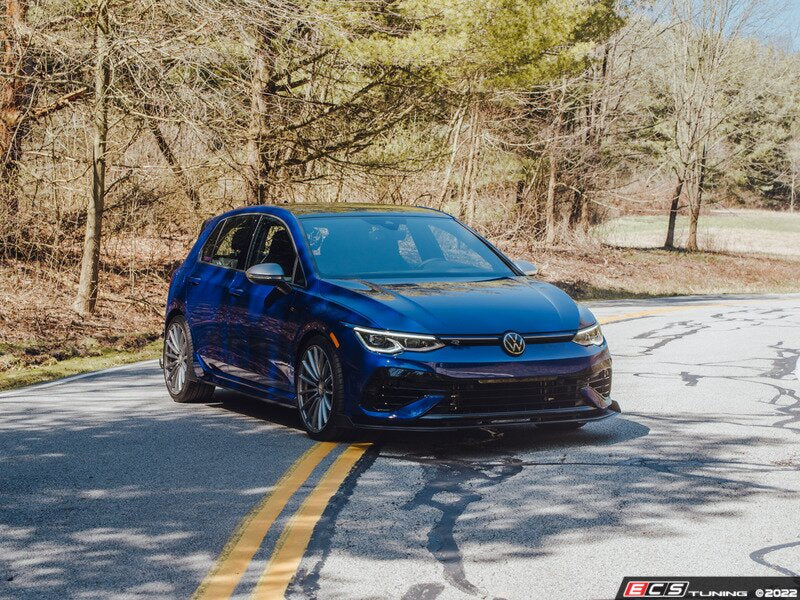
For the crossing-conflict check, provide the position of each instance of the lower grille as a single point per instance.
(476, 397)
(601, 382)
(392, 389)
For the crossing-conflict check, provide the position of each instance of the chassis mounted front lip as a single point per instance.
(480, 420)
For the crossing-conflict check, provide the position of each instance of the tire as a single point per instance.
(177, 360)
(560, 426)
(319, 386)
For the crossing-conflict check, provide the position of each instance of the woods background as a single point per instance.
(125, 123)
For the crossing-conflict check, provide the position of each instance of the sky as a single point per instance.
(793, 20)
(784, 26)
(776, 22)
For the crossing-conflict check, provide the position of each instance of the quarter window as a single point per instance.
(211, 243)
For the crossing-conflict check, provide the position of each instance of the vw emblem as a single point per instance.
(513, 343)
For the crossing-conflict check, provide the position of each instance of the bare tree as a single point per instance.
(703, 91)
(20, 93)
(86, 298)
(793, 153)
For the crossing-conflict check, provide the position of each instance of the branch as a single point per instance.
(62, 102)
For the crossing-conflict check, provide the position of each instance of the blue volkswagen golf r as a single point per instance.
(379, 317)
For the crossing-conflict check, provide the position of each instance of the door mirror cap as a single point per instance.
(267, 274)
(527, 267)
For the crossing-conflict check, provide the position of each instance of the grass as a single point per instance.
(604, 273)
(752, 231)
(14, 378)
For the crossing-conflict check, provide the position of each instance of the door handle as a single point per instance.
(236, 291)
(194, 280)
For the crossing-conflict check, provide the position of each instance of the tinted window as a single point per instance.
(396, 246)
(274, 245)
(231, 245)
(208, 247)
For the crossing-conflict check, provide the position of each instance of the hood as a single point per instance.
(458, 307)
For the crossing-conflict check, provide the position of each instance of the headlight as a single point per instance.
(591, 336)
(391, 342)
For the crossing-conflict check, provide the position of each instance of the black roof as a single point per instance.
(353, 207)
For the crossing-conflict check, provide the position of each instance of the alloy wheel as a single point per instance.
(175, 358)
(315, 389)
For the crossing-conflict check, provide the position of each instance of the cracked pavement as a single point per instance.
(699, 476)
(108, 489)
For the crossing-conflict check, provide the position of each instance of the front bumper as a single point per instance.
(456, 388)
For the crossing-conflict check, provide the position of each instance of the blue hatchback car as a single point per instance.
(387, 317)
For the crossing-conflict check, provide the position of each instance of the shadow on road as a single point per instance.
(468, 441)
(107, 488)
(257, 409)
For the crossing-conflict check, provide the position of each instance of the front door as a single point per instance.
(262, 353)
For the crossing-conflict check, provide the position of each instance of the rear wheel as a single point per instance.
(320, 389)
(177, 359)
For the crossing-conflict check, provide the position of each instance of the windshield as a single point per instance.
(363, 247)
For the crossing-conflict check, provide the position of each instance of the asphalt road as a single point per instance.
(109, 489)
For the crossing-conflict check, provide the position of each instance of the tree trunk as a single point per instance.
(455, 137)
(258, 163)
(793, 191)
(519, 195)
(86, 299)
(673, 214)
(694, 214)
(694, 217)
(467, 209)
(550, 213)
(174, 164)
(586, 214)
(550, 205)
(577, 206)
(472, 200)
(15, 95)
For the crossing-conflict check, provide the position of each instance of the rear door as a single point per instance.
(263, 352)
(211, 286)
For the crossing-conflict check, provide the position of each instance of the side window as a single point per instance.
(454, 250)
(274, 245)
(208, 248)
(233, 242)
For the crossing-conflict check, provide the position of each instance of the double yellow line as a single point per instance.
(649, 312)
(235, 557)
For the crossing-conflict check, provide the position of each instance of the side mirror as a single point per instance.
(527, 267)
(267, 274)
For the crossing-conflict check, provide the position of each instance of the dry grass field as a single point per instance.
(743, 231)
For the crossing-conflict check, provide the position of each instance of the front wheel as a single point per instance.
(320, 389)
(177, 359)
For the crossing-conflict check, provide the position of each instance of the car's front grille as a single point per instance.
(392, 389)
(497, 340)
